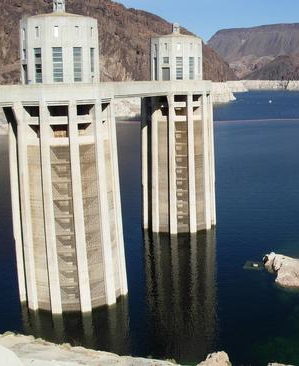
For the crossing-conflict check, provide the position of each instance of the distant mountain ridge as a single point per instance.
(124, 39)
(248, 50)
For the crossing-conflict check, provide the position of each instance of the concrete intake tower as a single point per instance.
(66, 207)
(178, 170)
(64, 169)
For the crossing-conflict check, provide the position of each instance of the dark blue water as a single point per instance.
(190, 296)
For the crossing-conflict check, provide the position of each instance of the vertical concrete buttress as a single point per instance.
(49, 220)
(187, 156)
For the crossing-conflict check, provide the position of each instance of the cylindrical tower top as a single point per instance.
(176, 56)
(59, 6)
(59, 47)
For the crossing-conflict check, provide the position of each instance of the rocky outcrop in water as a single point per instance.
(286, 269)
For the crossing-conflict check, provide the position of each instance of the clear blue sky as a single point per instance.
(205, 17)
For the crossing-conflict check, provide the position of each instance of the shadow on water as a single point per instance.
(106, 328)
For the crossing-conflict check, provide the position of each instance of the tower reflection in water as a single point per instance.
(181, 294)
(105, 329)
(179, 320)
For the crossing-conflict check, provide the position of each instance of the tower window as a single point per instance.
(178, 46)
(25, 74)
(191, 68)
(77, 56)
(91, 31)
(165, 60)
(57, 64)
(155, 66)
(37, 32)
(38, 65)
(56, 31)
(24, 54)
(165, 46)
(23, 35)
(179, 68)
(77, 30)
(92, 60)
(199, 67)
(165, 73)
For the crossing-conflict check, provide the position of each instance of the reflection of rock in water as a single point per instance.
(105, 329)
(181, 294)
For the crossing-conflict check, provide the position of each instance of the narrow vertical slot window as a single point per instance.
(92, 60)
(179, 68)
(36, 32)
(57, 64)
(155, 68)
(77, 58)
(56, 31)
(199, 68)
(191, 68)
(38, 65)
(25, 74)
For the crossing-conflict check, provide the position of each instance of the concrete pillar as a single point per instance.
(212, 162)
(206, 163)
(25, 208)
(50, 235)
(155, 167)
(16, 214)
(172, 166)
(191, 166)
(103, 208)
(117, 204)
(144, 157)
(81, 251)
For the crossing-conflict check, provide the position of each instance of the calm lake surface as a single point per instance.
(190, 296)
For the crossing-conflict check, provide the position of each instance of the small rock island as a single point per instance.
(286, 268)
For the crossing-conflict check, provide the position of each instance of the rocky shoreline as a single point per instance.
(290, 85)
(20, 350)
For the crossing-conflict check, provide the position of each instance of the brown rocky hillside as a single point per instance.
(282, 68)
(250, 49)
(124, 38)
